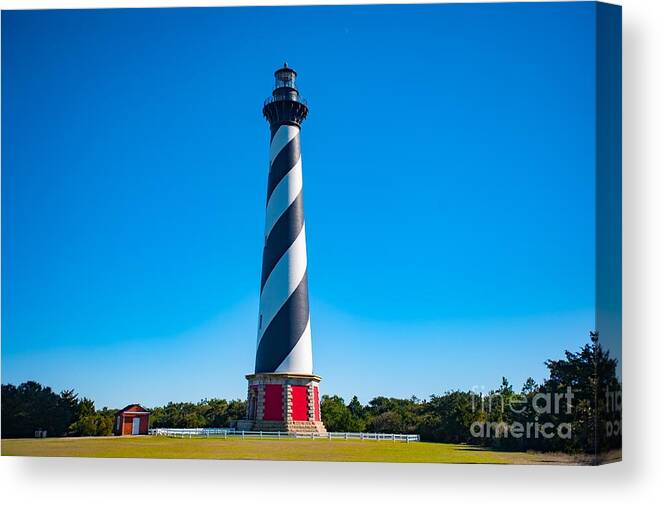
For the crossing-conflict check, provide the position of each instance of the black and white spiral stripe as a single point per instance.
(284, 342)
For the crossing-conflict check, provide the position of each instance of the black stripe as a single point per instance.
(282, 236)
(283, 163)
(285, 330)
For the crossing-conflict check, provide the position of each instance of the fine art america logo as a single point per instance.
(539, 404)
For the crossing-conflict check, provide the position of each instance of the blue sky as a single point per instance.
(449, 189)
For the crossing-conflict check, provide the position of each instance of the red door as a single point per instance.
(273, 402)
(299, 408)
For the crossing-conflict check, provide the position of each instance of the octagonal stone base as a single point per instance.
(283, 402)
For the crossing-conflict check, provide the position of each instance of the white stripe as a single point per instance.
(299, 360)
(282, 281)
(283, 195)
(281, 138)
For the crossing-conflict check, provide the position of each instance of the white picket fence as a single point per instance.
(231, 433)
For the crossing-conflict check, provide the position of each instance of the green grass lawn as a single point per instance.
(268, 449)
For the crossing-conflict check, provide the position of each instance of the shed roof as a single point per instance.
(132, 406)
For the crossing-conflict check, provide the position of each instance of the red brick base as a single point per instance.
(283, 402)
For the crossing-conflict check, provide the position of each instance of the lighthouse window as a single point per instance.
(284, 79)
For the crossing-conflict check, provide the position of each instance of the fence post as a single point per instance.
(243, 434)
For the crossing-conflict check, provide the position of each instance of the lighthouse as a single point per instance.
(283, 391)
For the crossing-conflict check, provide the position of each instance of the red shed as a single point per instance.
(131, 420)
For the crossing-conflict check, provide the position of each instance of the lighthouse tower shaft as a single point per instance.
(284, 341)
(283, 392)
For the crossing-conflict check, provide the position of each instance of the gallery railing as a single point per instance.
(285, 98)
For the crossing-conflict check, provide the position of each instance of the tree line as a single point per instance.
(30, 407)
(213, 413)
(576, 409)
